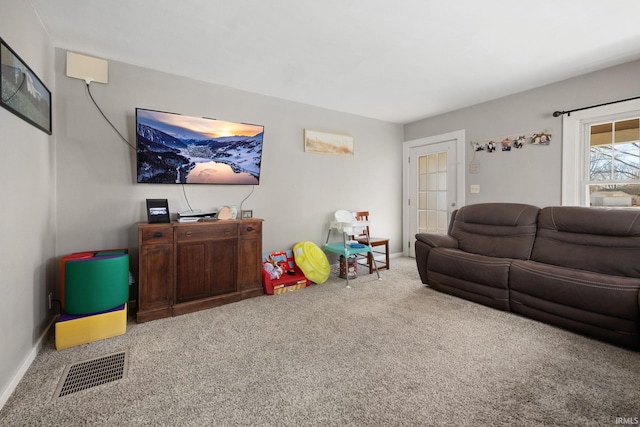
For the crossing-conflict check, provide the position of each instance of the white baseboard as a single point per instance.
(24, 367)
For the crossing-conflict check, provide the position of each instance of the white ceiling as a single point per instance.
(393, 60)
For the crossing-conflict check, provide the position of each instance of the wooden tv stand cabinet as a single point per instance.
(186, 267)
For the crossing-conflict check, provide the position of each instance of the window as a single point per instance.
(601, 156)
(614, 163)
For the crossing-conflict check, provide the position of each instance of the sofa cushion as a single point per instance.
(504, 230)
(595, 292)
(602, 240)
(475, 277)
(596, 304)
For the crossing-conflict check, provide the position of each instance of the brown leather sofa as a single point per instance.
(574, 267)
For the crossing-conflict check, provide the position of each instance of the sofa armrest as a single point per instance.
(424, 243)
(437, 240)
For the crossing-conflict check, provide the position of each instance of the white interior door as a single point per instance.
(432, 187)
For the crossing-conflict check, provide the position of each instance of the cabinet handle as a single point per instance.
(249, 228)
(188, 234)
(157, 234)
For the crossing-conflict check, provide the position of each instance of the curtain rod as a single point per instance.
(568, 112)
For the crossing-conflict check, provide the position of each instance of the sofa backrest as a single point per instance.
(602, 240)
(496, 229)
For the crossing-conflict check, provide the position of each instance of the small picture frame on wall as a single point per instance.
(246, 214)
(158, 211)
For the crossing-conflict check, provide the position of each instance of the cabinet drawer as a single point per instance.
(202, 232)
(250, 227)
(153, 235)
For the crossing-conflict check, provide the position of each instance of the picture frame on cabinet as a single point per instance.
(158, 211)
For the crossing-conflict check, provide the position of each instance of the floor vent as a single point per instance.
(91, 373)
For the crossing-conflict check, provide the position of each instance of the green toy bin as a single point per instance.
(96, 284)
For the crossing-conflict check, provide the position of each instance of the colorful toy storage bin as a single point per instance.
(280, 273)
(94, 293)
(96, 283)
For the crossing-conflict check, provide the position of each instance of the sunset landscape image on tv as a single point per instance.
(178, 149)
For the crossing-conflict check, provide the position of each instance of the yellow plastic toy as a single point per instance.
(312, 261)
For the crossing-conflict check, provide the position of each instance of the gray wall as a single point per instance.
(532, 174)
(78, 192)
(99, 201)
(27, 210)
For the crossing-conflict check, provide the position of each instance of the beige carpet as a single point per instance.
(388, 352)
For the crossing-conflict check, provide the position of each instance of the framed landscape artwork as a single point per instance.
(22, 91)
(330, 143)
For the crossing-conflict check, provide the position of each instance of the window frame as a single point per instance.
(575, 146)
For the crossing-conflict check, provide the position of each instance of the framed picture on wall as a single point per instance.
(157, 211)
(327, 143)
(22, 91)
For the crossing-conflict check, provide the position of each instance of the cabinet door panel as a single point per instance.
(250, 263)
(156, 276)
(192, 277)
(222, 266)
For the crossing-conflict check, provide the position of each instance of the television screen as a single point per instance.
(177, 149)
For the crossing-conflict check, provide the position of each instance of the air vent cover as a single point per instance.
(90, 373)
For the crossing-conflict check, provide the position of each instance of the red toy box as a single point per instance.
(292, 277)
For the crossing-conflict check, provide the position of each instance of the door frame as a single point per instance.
(459, 137)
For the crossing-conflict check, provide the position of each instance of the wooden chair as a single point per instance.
(374, 242)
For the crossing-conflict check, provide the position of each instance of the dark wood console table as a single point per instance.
(186, 267)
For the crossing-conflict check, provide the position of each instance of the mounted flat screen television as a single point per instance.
(177, 149)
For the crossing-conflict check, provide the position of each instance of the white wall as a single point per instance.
(99, 201)
(27, 228)
(532, 174)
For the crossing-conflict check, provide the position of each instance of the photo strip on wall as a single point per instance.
(512, 142)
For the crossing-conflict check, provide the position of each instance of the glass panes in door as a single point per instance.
(432, 193)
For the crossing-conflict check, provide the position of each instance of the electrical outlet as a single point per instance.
(49, 299)
(475, 189)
